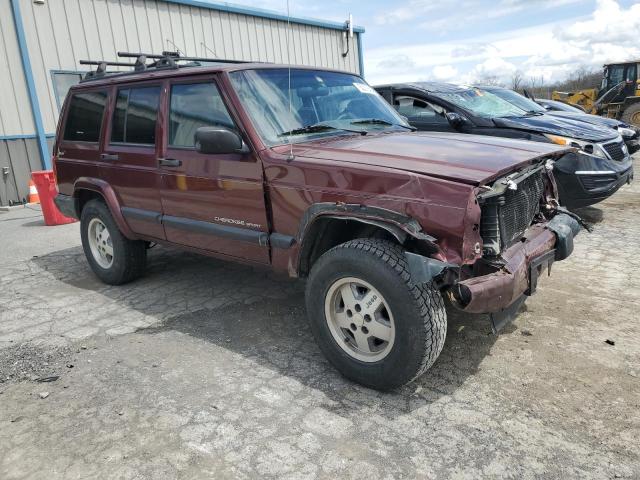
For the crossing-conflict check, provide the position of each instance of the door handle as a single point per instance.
(109, 156)
(169, 162)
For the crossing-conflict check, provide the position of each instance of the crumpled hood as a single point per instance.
(555, 125)
(472, 159)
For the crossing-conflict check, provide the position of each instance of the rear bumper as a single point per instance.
(524, 262)
(67, 205)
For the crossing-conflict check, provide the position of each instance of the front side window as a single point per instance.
(84, 119)
(193, 106)
(298, 105)
(416, 109)
(616, 75)
(135, 115)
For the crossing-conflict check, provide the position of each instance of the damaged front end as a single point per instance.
(523, 232)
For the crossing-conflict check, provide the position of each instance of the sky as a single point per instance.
(467, 40)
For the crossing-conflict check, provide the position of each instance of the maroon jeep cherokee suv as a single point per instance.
(310, 172)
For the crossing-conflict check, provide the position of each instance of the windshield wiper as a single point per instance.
(317, 127)
(533, 113)
(379, 121)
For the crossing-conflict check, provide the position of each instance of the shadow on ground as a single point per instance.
(263, 318)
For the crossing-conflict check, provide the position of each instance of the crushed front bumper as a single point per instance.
(504, 290)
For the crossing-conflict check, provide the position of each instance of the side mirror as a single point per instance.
(219, 140)
(455, 119)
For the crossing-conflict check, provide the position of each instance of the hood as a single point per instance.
(472, 159)
(587, 117)
(565, 127)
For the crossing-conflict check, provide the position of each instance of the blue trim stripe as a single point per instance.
(31, 86)
(259, 12)
(27, 136)
(360, 55)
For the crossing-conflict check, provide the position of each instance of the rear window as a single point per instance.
(134, 119)
(85, 117)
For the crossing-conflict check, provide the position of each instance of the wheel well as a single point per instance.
(83, 196)
(326, 233)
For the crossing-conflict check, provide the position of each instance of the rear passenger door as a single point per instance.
(213, 202)
(129, 162)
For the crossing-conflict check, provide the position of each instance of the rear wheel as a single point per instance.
(632, 115)
(372, 324)
(113, 258)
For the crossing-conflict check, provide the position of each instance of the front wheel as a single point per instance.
(113, 258)
(371, 323)
(632, 114)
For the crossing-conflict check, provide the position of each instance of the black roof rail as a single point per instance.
(164, 60)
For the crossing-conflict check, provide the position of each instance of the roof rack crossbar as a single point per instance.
(177, 57)
(165, 60)
(103, 62)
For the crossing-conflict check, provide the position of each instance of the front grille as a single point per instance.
(504, 218)
(615, 151)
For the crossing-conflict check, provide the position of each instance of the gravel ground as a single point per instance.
(205, 369)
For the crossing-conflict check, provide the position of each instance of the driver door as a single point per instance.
(212, 202)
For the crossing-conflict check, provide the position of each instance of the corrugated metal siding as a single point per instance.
(15, 109)
(61, 32)
(19, 157)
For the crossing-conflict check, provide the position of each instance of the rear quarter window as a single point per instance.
(84, 119)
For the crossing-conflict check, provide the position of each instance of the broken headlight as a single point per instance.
(584, 146)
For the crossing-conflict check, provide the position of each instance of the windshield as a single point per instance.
(519, 100)
(322, 103)
(482, 103)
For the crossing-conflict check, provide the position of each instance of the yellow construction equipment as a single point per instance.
(618, 96)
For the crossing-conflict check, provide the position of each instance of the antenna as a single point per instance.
(180, 52)
(350, 26)
(291, 156)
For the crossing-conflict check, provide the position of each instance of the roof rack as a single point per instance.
(165, 60)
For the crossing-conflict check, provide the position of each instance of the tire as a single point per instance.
(631, 114)
(123, 260)
(415, 314)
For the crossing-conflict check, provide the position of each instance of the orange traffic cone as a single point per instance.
(33, 193)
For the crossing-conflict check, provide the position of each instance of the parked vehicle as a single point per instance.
(311, 173)
(630, 134)
(557, 106)
(618, 96)
(601, 166)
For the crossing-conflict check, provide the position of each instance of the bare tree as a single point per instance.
(516, 80)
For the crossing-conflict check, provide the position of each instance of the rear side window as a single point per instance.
(193, 106)
(85, 117)
(134, 118)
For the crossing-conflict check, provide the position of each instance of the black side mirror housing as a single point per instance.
(219, 140)
(456, 120)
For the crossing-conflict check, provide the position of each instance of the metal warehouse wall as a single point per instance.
(56, 34)
(61, 32)
(15, 109)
